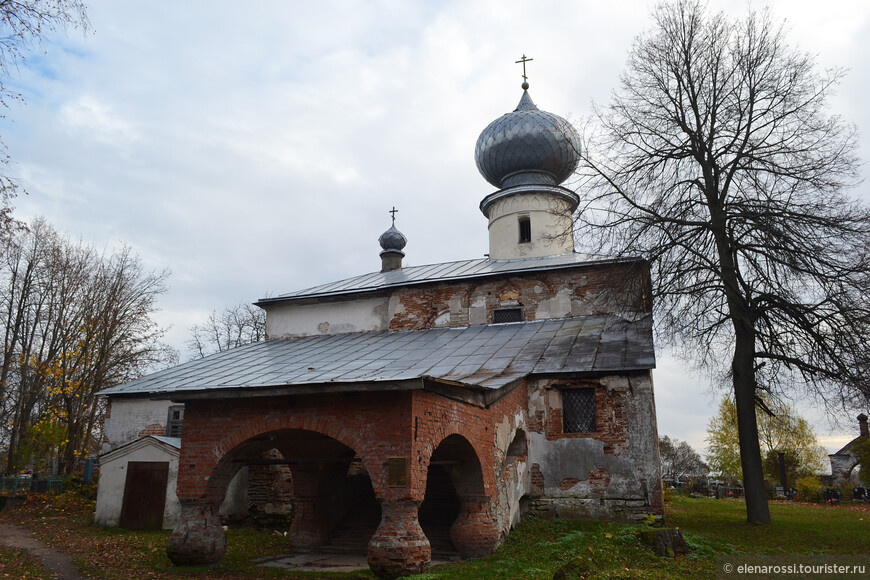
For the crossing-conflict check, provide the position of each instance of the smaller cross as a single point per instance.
(393, 213)
(524, 60)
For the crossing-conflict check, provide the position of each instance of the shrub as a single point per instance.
(808, 486)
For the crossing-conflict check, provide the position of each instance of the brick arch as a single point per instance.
(484, 459)
(263, 426)
(223, 469)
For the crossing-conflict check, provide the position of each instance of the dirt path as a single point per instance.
(51, 559)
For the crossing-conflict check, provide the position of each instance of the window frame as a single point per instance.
(524, 223)
(592, 404)
(519, 309)
(172, 424)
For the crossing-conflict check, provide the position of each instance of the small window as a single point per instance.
(578, 411)
(174, 421)
(525, 229)
(505, 315)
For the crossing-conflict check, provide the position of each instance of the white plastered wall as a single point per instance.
(357, 315)
(128, 417)
(113, 476)
(551, 226)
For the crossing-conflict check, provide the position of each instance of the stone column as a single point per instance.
(399, 546)
(310, 526)
(474, 533)
(198, 539)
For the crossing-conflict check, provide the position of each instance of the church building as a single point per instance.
(433, 406)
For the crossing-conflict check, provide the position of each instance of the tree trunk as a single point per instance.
(742, 366)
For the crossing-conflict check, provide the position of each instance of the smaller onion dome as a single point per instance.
(527, 146)
(392, 240)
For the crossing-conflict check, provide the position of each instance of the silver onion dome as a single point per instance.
(527, 146)
(392, 239)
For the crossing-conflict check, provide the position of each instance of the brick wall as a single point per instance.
(612, 473)
(549, 294)
(610, 412)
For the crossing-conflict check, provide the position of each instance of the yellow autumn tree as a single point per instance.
(780, 430)
(76, 321)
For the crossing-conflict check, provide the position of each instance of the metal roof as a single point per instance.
(477, 357)
(411, 275)
(172, 442)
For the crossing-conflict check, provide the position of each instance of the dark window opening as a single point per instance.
(578, 411)
(525, 229)
(174, 421)
(504, 315)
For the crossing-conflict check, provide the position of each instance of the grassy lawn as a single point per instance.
(535, 550)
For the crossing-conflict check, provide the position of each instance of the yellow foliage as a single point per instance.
(808, 487)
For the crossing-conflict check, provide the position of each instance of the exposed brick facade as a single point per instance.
(153, 429)
(610, 409)
(549, 294)
(220, 436)
(500, 460)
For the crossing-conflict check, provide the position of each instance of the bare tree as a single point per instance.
(75, 321)
(679, 459)
(233, 326)
(23, 24)
(718, 160)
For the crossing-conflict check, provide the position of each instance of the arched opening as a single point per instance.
(518, 449)
(454, 475)
(514, 478)
(330, 491)
(439, 509)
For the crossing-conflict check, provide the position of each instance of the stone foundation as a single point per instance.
(199, 538)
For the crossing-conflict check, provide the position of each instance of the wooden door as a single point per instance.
(144, 495)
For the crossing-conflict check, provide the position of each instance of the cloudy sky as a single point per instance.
(254, 148)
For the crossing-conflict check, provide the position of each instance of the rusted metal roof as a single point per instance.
(448, 271)
(476, 357)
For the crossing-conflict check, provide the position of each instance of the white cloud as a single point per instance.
(257, 148)
(89, 118)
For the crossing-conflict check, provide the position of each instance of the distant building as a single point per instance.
(432, 406)
(844, 461)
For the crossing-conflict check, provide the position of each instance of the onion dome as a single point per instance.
(392, 240)
(527, 146)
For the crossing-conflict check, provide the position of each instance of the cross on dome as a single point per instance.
(524, 60)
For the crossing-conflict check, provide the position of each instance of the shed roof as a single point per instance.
(448, 271)
(482, 358)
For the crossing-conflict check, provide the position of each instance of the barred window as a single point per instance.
(504, 315)
(578, 411)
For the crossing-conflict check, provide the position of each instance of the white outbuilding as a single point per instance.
(137, 484)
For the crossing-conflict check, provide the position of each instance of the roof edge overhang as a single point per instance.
(459, 391)
(386, 288)
(568, 196)
(244, 392)
(139, 443)
(472, 394)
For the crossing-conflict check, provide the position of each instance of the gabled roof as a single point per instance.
(849, 448)
(481, 358)
(412, 275)
(171, 445)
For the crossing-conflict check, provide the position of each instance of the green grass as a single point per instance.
(795, 528)
(535, 550)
